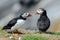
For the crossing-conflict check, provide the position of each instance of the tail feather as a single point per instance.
(5, 27)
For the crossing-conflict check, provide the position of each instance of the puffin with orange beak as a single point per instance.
(16, 23)
(43, 22)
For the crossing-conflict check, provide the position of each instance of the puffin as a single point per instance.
(43, 22)
(28, 2)
(16, 23)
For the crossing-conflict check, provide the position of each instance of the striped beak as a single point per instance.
(37, 12)
(29, 15)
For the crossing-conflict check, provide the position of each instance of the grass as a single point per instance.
(36, 36)
(33, 37)
(2, 32)
(52, 33)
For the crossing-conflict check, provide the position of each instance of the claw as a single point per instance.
(11, 38)
(19, 38)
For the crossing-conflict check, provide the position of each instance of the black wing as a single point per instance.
(10, 24)
(43, 23)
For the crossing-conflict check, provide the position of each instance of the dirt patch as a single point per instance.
(49, 36)
(55, 26)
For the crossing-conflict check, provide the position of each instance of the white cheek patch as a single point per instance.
(25, 15)
(39, 11)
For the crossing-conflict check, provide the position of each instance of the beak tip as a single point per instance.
(30, 15)
(36, 13)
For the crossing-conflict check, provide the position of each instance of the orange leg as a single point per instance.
(15, 33)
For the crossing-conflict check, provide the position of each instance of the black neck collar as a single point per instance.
(22, 18)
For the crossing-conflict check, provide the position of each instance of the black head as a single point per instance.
(41, 11)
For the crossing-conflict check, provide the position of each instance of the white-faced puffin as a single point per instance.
(43, 21)
(16, 23)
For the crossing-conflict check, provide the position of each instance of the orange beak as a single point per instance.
(37, 12)
(29, 15)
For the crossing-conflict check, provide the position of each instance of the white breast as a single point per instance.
(19, 23)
